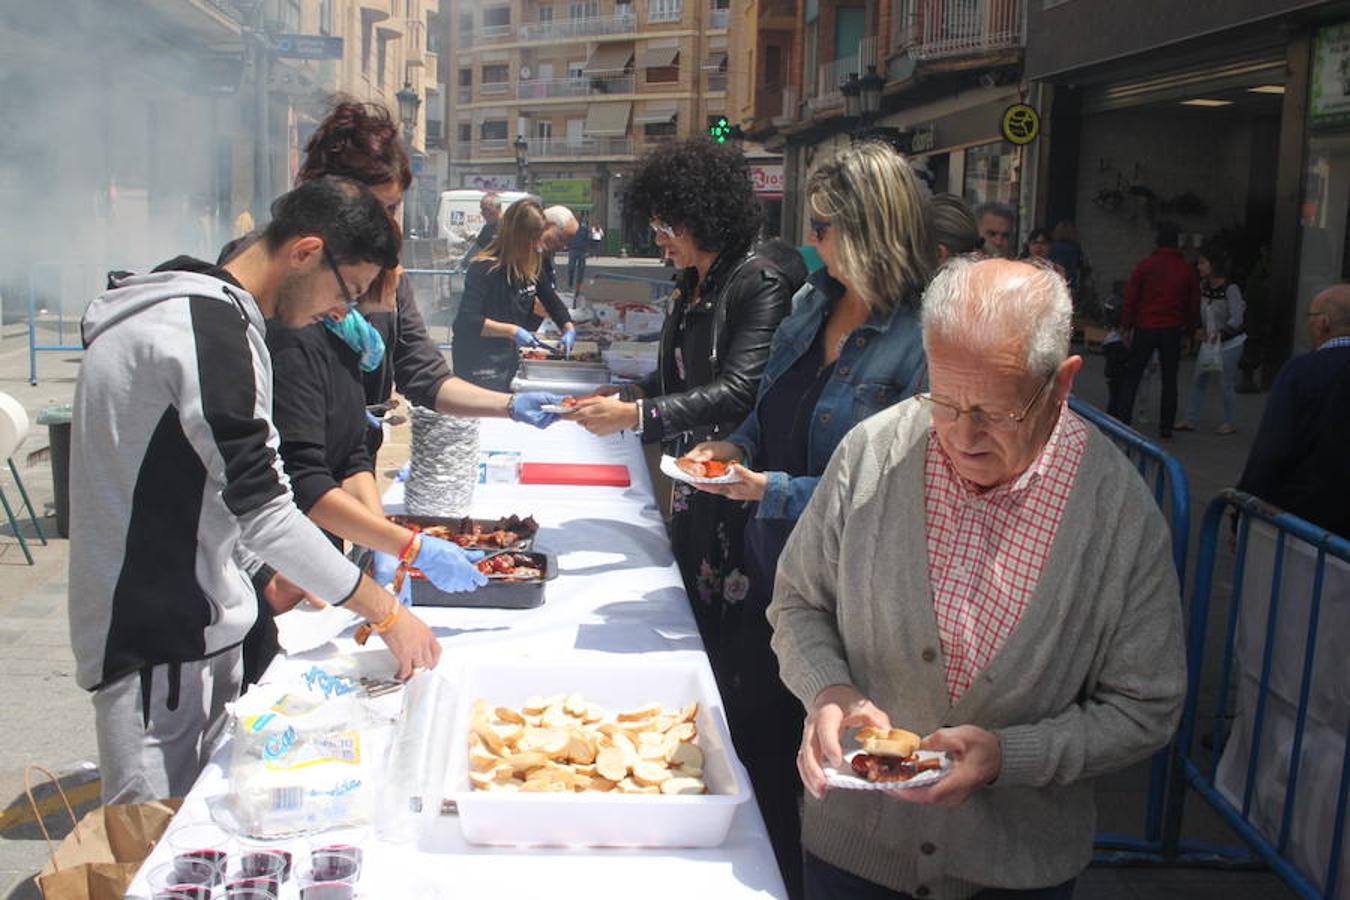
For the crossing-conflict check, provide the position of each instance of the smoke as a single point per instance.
(120, 144)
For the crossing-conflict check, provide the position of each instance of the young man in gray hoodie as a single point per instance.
(179, 503)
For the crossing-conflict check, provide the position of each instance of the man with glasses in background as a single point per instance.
(178, 497)
(995, 222)
(980, 567)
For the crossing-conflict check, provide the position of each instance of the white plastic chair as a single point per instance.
(13, 429)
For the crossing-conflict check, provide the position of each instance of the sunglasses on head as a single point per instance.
(662, 229)
(819, 227)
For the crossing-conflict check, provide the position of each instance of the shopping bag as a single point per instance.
(104, 850)
(1209, 359)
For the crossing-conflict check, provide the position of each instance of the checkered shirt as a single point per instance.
(986, 550)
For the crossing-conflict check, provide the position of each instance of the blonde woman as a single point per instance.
(851, 348)
(500, 289)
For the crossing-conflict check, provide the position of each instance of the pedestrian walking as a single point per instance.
(1162, 306)
(1222, 336)
(996, 223)
(1299, 460)
(578, 248)
(179, 504)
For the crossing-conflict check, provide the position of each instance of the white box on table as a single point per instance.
(595, 819)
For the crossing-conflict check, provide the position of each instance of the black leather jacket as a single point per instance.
(713, 352)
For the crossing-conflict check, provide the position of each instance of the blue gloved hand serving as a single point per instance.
(526, 338)
(525, 408)
(448, 566)
(382, 569)
(569, 338)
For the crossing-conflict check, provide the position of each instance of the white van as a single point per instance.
(458, 216)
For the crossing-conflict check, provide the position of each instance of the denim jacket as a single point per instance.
(881, 364)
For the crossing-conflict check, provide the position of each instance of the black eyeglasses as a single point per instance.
(346, 294)
(819, 227)
(944, 411)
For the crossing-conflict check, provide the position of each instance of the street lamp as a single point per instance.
(870, 86)
(408, 104)
(852, 91)
(522, 148)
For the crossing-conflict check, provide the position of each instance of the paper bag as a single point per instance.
(104, 850)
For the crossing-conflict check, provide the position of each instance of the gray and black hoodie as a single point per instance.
(175, 479)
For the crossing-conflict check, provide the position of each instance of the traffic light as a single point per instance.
(719, 129)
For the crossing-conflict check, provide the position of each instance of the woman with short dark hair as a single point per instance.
(698, 199)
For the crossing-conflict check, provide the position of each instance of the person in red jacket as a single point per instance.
(1162, 306)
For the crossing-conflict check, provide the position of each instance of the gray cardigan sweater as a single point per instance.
(1091, 680)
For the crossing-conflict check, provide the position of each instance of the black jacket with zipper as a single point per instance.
(713, 350)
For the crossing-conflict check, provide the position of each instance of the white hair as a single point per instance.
(559, 216)
(981, 305)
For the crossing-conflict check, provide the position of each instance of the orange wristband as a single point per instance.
(411, 549)
(388, 621)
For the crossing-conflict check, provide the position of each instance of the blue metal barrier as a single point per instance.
(1167, 479)
(59, 284)
(1188, 770)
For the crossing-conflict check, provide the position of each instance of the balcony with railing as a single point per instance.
(587, 26)
(665, 10)
(463, 95)
(556, 148)
(830, 77)
(494, 88)
(787, 111)
(717, 82)
(546, 88)
(934, 29)
(494, 34)
(718, 18)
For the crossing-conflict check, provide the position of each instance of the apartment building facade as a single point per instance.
(945, 72)
(586, 85)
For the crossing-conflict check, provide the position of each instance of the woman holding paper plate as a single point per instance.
(851, 348)
(728, 300)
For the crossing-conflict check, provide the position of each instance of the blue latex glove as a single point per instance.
(448, 566)
(382, 569)
(372, 421)
(569, 337)
(526, 408)
(525, 338)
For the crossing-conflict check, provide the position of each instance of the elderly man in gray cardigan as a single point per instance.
(978, 566)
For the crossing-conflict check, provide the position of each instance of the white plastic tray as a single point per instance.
(672, 470)
(599, 819)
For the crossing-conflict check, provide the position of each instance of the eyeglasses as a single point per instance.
(819, 227)
(332, 264)
(945, 412)
(662, 229)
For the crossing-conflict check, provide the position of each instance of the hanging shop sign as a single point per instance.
(1330, 94)
(1021, 124)
(574, 193)
(768, 179)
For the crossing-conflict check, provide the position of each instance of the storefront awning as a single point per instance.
(716, 61)
(609, 59)
(659, 57)
(607, 119)
(656, 112)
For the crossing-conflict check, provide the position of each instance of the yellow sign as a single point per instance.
(1021, 124)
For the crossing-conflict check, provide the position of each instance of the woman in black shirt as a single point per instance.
(497, 314)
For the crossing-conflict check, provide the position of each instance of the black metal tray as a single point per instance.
(525, 544)
(496, 594)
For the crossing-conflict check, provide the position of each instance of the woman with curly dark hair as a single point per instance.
(728, 300)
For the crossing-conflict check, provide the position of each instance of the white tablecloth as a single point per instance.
(618, 591)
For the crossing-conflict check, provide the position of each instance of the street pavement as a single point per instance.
(48, 720)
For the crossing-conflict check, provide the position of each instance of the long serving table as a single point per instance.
(618, 592)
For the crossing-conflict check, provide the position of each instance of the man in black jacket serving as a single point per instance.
(178, 495)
